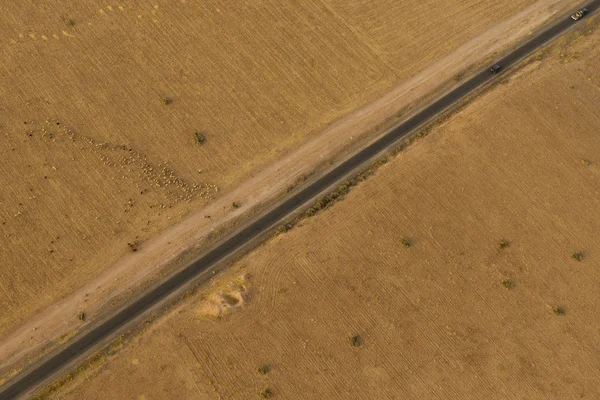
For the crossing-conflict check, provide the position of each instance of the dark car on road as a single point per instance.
(496, 68)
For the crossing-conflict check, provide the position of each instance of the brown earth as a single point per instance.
(93, 159)
(454, 315)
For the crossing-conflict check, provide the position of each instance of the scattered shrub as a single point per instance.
(577, 256)
(508, 284)
(267, 393)
(558, 310)
(133, 246)
(81, 316)
(285, 227)
(235, 204)
(354, 339)
(263, 369)
(405, 242)
(167, 100)
(200, 138)
(504, 243)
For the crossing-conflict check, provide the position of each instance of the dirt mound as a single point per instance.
(221, 302)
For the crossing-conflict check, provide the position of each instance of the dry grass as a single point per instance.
(392, 34)
(94, 156)
(432, 322)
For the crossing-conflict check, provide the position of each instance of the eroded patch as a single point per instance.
(222, 301)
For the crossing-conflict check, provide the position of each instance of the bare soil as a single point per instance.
(488, 301)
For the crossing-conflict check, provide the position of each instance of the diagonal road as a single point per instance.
(41, 372)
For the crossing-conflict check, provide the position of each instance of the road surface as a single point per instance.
(47, 368)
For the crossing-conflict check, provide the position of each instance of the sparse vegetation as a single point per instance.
(586, 162)
(508, 284)
(406, 242)
(504, 244)
(354, 339)
(81, 316)
(285, 227)
(200, 138)
(558, 310)
(235, 204)
(577, 256)
(329, 199)
(133, 246)
(263, 369)
(167, 100)
(267, 393)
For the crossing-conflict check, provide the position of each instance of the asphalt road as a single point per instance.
(37, 375)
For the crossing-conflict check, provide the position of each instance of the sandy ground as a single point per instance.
(454, 315)
(160, 250)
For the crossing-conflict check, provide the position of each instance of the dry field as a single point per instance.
(392, 34)
(456, 314)
(93, 159)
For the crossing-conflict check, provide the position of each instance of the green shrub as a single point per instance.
(508, 284)
(558, 310)
(577, 256)
(263, 369)
(354, 339)
(200, 138)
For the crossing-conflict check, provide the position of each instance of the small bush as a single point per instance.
(235, 204)
(508, 284)
(167, 100)
(310, 212)
(585, 162)
(133, 246)
(200, 138)
(263, 369)
(81, 316)
(577, 256)
(285, 227)
(405, 242)
(70, 21)
(558, 310)
(504, 243)
(354, 339)
(267, 393)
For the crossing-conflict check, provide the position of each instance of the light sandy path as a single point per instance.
(139, 268)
